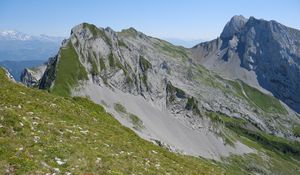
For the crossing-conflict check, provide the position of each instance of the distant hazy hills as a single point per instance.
(19, 50)
(19, 46)
(188, 43)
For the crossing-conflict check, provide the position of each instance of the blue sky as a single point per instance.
(182, 19)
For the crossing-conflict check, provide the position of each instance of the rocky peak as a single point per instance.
(31, 76)
(234, 26)
(268, 48)
(130, 30)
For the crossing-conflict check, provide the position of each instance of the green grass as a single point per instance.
(144, 64)
(204, 76)
(236, 87)
(264, 162)
(274, 155)
(102, 64)
(130, 32)
(96, 32)
(69, 71)
(265, 102)
(256, 98)
(296, 131)
(144, 79)
(121, 43)
(175, 51)
(245, 128)
(38, 128)
(192, 104)
(253, 96)
(175, 91)
(111, 60)
(120, 108)
(134, 119)
(94, 68)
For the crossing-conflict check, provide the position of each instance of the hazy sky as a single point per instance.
(182, 19)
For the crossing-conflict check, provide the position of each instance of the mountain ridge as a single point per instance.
(265, 49)
(166, 96)
(17, 46)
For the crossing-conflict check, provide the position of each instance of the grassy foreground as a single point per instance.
(43, 133)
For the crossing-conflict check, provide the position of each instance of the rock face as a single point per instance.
(266, 48)
(31, 76)
(234, 26)
(164, 86)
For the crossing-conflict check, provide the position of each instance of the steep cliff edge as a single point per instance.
(263, 53)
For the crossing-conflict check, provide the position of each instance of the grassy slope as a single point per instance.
(36, 128)
(69, 71)
(265, 102)
(274, 155)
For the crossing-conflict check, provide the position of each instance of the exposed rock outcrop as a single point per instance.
(265, 53)
(31, 76)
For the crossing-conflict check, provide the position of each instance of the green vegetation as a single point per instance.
(242, 127)
(131, 32)
(274, 155)
(257, 98)
(111, 60)
(175, 51)
(264, 162)
(174, 92)
(102, 64)
(192, 104)
(121, 43)
(44, 133)
(97, 32)
(296, 131)
(228, 121)
(144, 79)
(254, 97)
(120, 108)
(266, 102)
(115, 63)
(135, 120)
(144, 64)
(69, 71)
(236, 87)
(92, 60)
(209, 78)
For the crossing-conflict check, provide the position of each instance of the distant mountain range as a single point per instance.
(20, 46)
(188, 43)
(19, 50)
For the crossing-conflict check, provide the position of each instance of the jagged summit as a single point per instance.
(234, 26)
(268, 50)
